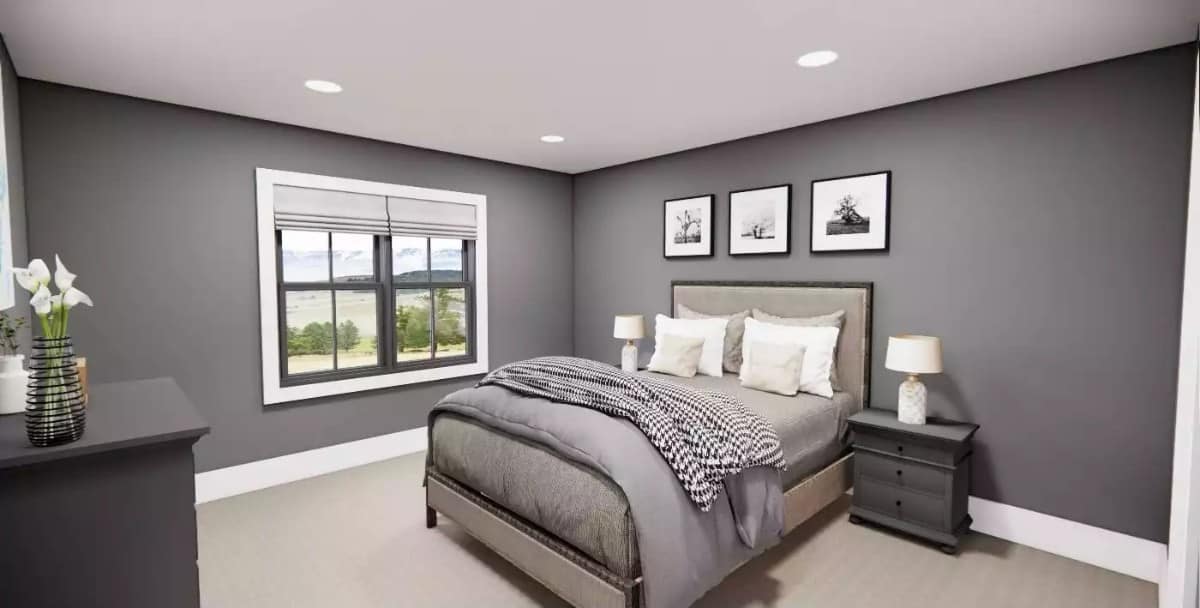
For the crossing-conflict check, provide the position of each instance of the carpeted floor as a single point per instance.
(357, 538)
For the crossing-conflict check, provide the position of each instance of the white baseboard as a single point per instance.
(230, 481)
(1106, 549)
(1136, 557)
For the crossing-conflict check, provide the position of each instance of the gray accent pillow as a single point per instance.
(676, 355)
(773, 367)
(833, 319)
(732, 356)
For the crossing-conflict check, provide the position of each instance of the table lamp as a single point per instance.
(629, 328)
(913, 355)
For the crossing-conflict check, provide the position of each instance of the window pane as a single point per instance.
(412, 324)
(353, 257)
(357, 343)
(305, 256)
(309, 317)
(451, 321)
(410, 259)
(447, 259)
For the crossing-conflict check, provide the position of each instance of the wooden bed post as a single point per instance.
(430, 514)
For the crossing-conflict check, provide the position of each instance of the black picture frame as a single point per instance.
(787, 221)
(709, 228)
(887, 210)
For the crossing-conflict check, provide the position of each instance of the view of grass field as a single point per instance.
(311, 331)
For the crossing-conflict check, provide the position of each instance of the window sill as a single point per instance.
(284, 394)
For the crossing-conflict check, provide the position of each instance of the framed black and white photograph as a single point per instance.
(760, 220)
(688, 226)
(851, 213)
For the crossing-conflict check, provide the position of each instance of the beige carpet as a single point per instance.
(357, 538)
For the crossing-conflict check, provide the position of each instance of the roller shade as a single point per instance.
(329, 210)
(412, 217)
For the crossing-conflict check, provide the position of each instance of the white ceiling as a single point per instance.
(621, 79)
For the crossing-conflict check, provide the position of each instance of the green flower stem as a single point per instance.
(54, 326)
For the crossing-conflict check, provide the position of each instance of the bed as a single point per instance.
(565, 522)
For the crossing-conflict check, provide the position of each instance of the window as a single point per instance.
(367, 285)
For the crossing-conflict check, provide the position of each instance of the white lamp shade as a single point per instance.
(914, 354)
(628, 327)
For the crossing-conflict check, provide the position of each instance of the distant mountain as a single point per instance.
(441, 276)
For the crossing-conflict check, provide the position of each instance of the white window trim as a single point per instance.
(273, 392)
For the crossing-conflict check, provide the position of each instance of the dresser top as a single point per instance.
(934, 428)
(119, 415)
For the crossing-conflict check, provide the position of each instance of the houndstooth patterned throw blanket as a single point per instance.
(705, 436)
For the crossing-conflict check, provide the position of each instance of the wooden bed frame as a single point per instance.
(576, 577)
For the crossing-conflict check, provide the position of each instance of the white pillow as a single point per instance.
(774, 367)
(712, 330)
(819, 344)
(676, 355)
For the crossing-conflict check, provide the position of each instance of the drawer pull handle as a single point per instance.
(899, 473)
(897, 503)
(899, 448)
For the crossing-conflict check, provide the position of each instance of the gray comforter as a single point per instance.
(684, 551)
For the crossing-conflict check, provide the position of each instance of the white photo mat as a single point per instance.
(688, 226)
(760, 220)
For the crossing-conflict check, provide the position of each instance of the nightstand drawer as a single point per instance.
(907, 505)
(903, 473)
(905, 447)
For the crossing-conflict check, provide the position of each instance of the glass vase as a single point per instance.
(54, 409)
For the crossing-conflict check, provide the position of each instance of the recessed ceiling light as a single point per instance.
(553, 139)
(323, 86)
(816, 59)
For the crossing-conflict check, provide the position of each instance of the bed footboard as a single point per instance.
(572, 575)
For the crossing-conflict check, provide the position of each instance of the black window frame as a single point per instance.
(384, 286)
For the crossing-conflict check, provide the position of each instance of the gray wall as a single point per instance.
(153, 206)
(16, 179)
(1038, 229)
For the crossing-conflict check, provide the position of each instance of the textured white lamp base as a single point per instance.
(629, 357)
(912, 401)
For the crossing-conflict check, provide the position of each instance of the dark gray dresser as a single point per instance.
(109, 520)
(912, 478)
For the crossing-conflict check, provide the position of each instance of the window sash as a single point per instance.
(385, 316)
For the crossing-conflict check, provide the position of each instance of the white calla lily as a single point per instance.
(73, 297)
(63, 278)
(41, 272)
(53, 310)
(42, 301)
(35, 276)
(25, 279)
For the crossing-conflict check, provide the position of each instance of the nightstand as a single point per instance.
(912, 478)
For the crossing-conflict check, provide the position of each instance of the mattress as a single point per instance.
(811, 429)
(587, 510)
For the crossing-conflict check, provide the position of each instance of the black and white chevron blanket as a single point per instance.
(705, 436)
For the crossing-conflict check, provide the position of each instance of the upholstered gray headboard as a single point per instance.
(791, 299)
